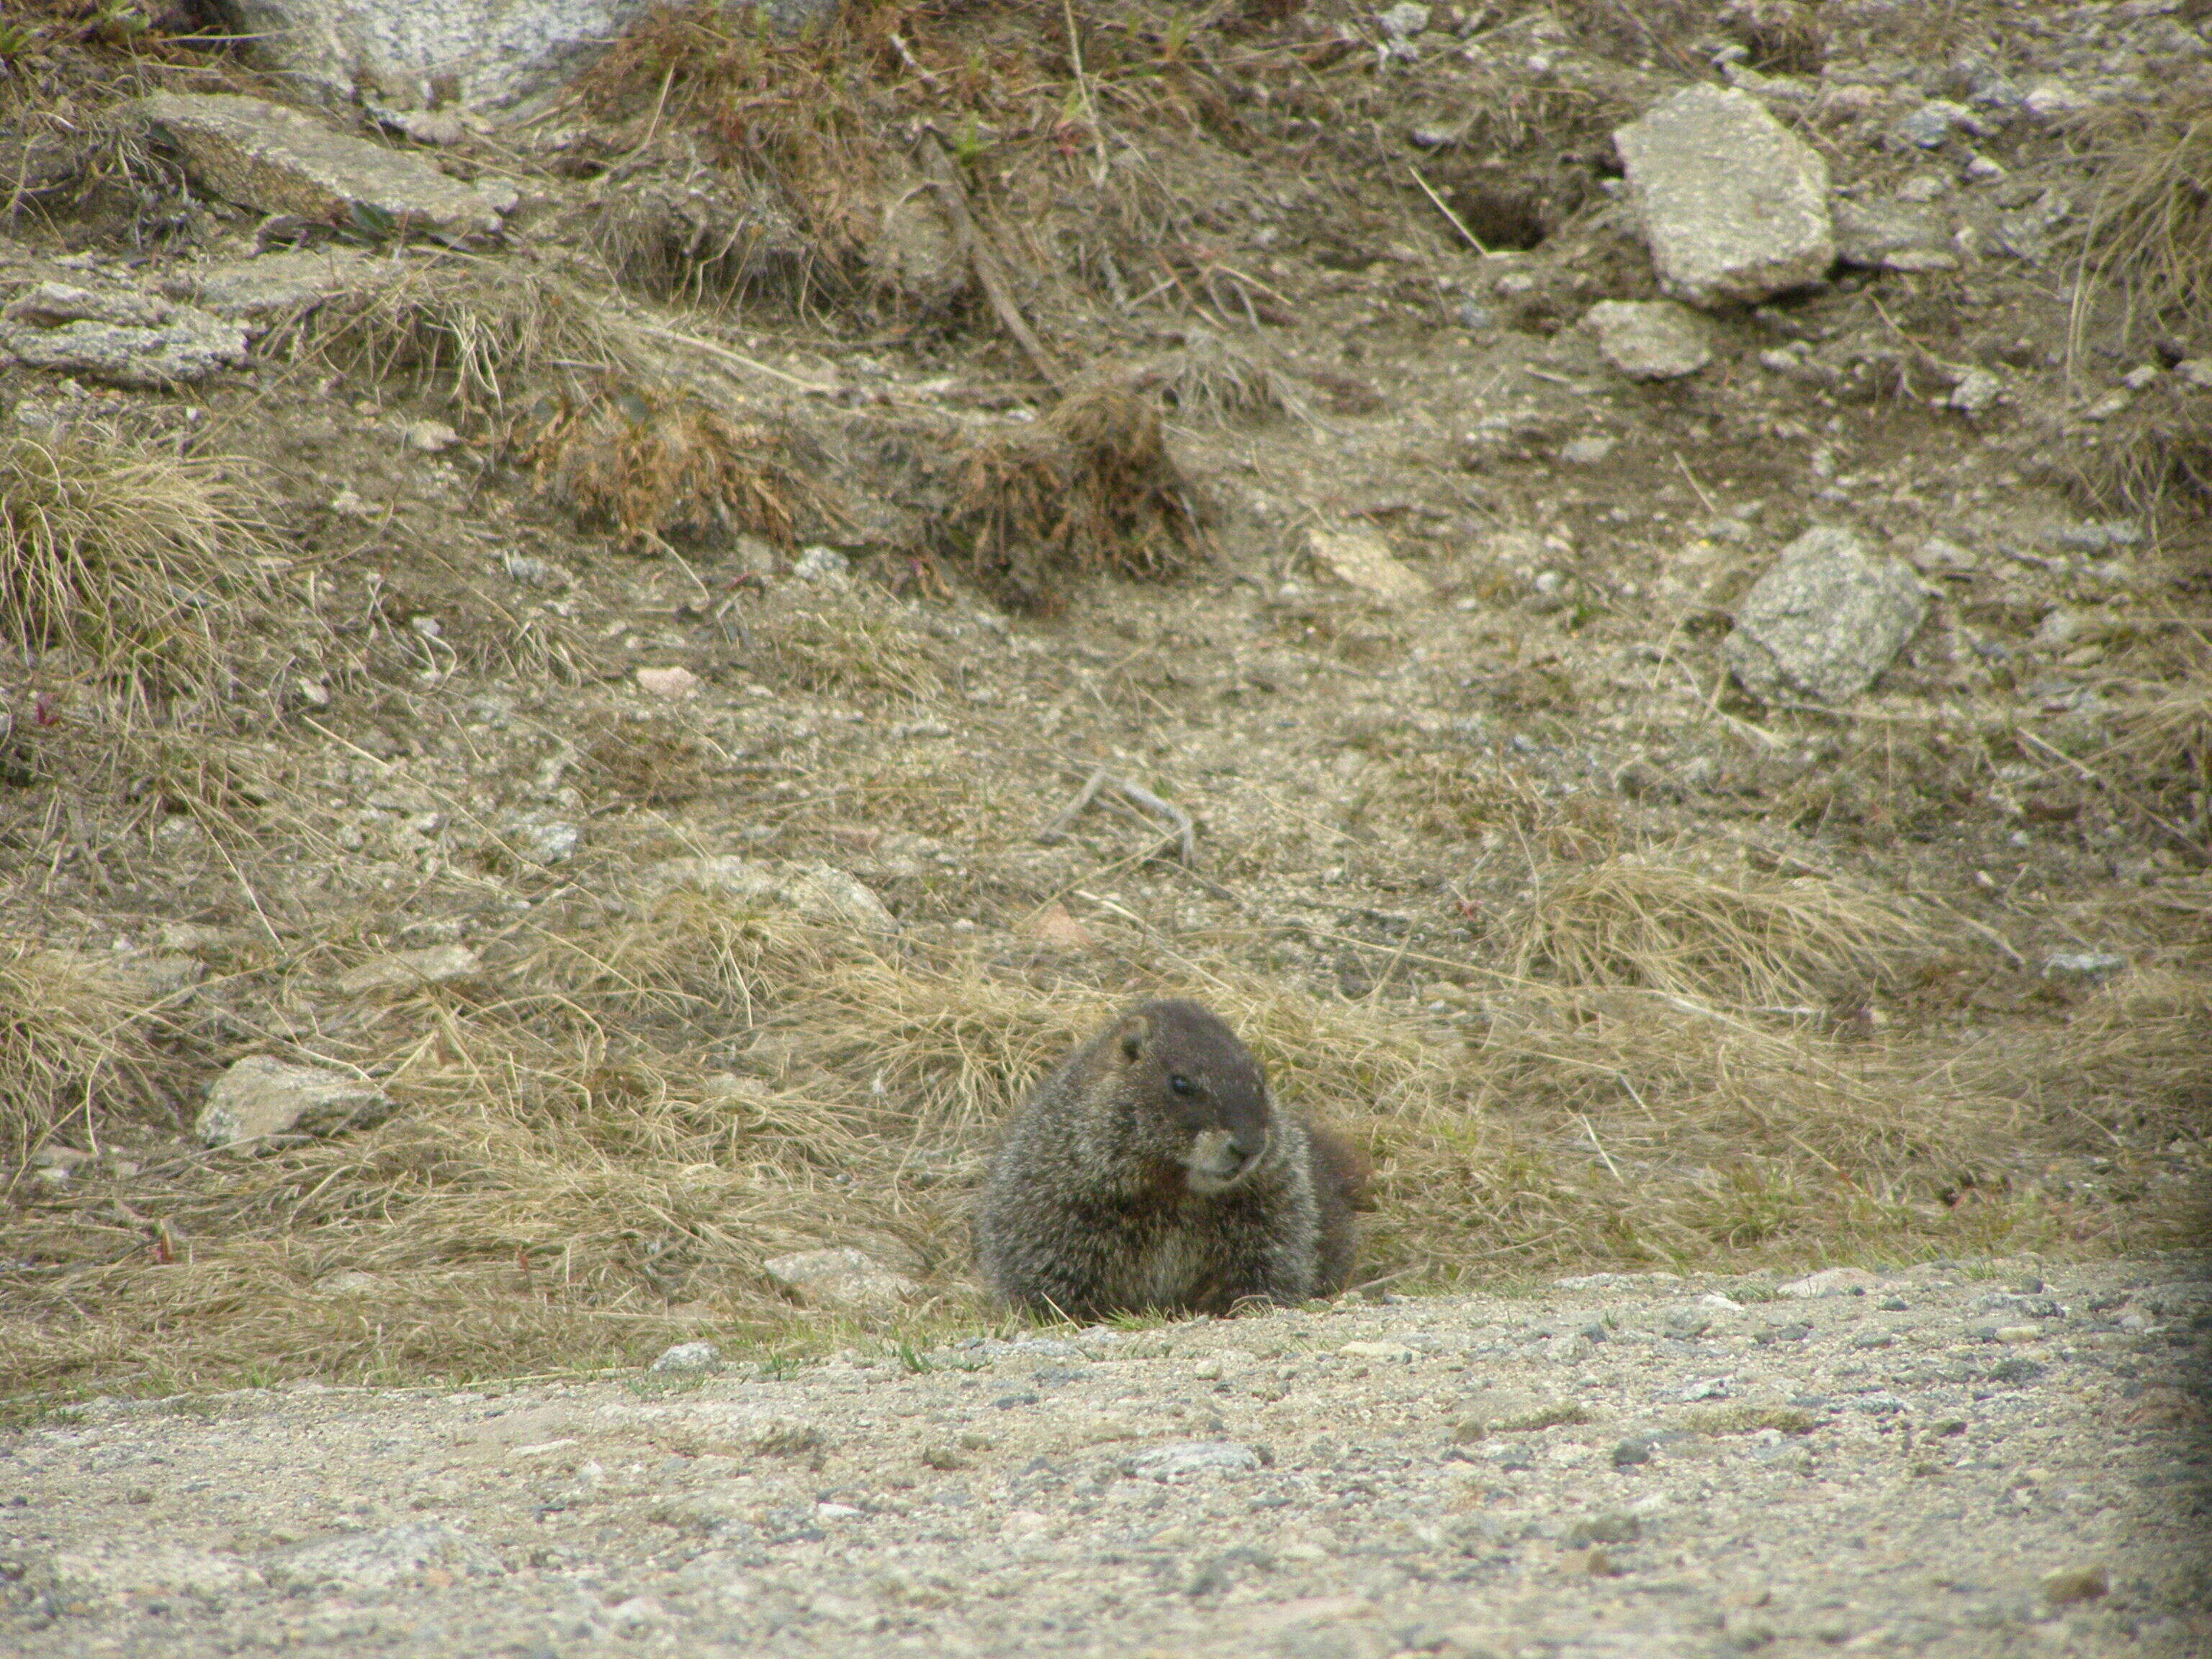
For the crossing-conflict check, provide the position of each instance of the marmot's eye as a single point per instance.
(1179, 1083)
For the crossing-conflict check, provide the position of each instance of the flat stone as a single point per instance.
(379, 1560)
(1177, 1460)
(1361, 559)
(262, 1096)
(817, 892)
(1734, 206)
(410, 54)
(411, 970)
(842, 1279)
(274, 285)
(1649, 339)
(123, 337)
(1825, 621)
(275, 160)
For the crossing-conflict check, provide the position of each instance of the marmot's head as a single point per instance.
(1194, 1095)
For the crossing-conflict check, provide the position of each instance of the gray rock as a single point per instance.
(1403, 21)
(1734, 207)
(844, 1279)
(107, 1569)
(262, 1096)
(1825, 621)
(275, 285)
(411, 54)
(123, 337)
(411, 970)
(1929, 125)
(379, 1560)
(1892, 235)
(1581, 451)
(275, 160)
(1177, 1460)
(817, 892)
(687, 1358)
(1649, 339)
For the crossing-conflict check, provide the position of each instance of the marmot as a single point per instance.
(1149, 1171)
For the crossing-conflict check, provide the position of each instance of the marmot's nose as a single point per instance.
(1247, 1143)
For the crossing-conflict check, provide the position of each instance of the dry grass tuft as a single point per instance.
(1090, 489)
(70, 1046)
(2149, 237)
(493, 333)
(140, 563)
(858, 646)
(1664, 924)
(655, 462)
(1214, 379)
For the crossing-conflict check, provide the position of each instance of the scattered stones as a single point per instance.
(688, 1359)
(1177, 1460)
(261, 1096)
(541, 840)
(123, 337)
(1825, 621)
(1734, 207)
(411, 970)
(280, 161)
(843, 1278)
(1893, 236)
(381, 1560)
(1649, 339)
(1361, 559)
(410, 53)
(817, 892)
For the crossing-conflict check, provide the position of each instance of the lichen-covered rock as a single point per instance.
(261, 1096)
(1734, 206)
(847, 1279)
(1649, 339)
(121, 336)
(275, 160)
(1825, 621)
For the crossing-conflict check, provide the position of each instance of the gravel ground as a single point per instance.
(1963, 1459)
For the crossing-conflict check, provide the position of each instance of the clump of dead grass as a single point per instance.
(655, 462)
(71, 1046)
(142, 564)
(1089, 488)
(855, 649)
(1663, 923)
(492, 333)
(1211, 378)
(2149, 233)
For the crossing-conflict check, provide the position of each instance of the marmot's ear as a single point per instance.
(1130, 1036)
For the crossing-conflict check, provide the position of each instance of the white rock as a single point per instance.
(1975, 392)
(1649, 339)
(844, 1279)
(540, 840)
(1734, 206)
(262, 1096)
(1361, 559)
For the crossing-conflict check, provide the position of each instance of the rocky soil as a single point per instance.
(1955, 1459)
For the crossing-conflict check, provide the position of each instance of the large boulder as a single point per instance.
(121, 336)
(1734, 206)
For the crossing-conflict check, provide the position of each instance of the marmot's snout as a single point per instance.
(1219, 1158)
